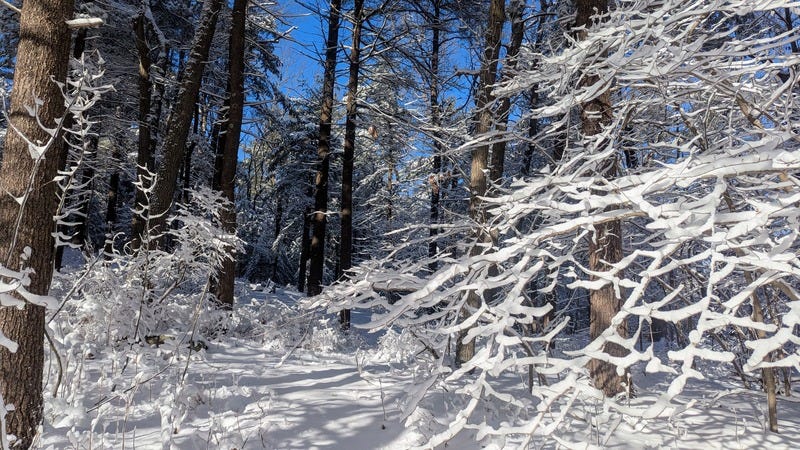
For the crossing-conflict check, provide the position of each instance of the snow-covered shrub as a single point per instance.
(709, 218)
(398, 345)
(145, 313)
(274, 320)
(153, 294)
(280, 323)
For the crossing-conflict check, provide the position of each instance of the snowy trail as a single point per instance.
(309, 402)
(239, 396)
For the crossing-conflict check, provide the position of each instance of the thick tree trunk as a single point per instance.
(480, 159)
(181, 118)
(346, 236)
(42, 56)
(319, 220)
(605, 248)
(233, 129)
(605, 244)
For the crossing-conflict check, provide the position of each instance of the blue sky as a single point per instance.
(299, 54)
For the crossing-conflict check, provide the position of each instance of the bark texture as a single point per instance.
(480, 160)
(605, 244)
(111, 206)
(43, 52)
(499, 147)
(181, 118)
(346, 238)
(436, 121)
(319, 218)
(305, 249)
(233, 129)
(144, 155)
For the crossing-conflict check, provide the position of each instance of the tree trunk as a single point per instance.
(42, 56)
(233, 129)
(111, 207)
(78, 47)
(319, 220)
(186, 175)
(181, 118)
(346, 237)
(278, 227)
(218, 150)
(436, 121)
(144, 155)
(605, 244)
(305, 249)
(767, 373)
(533, 130)
(82, 229)
(499, 147)
(480, 158)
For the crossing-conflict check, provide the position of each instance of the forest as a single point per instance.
(362, 224)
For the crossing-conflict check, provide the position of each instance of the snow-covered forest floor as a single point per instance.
(283, 377)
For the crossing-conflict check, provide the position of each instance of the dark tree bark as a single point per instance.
(436, 121)
(233, 128)
(499, 147)
(144, 155)
(278, 226)
(181, 118)
(480, 159)
(789, 22)
(42, 56)
(319, 220)
(218, 149)
(111, 206)
(533, 130)
(605, 244)
(346, 237)
(305, 249)
(78, 47)
(160, 70)
(82, 229)
(186, 174)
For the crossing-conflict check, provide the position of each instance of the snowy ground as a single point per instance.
(322, 392)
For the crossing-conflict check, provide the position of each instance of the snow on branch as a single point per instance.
(709, 219)
(11, 7)
(85, 22)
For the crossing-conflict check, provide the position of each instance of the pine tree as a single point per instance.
(319, 218)
(230, 154)
(180, 119)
